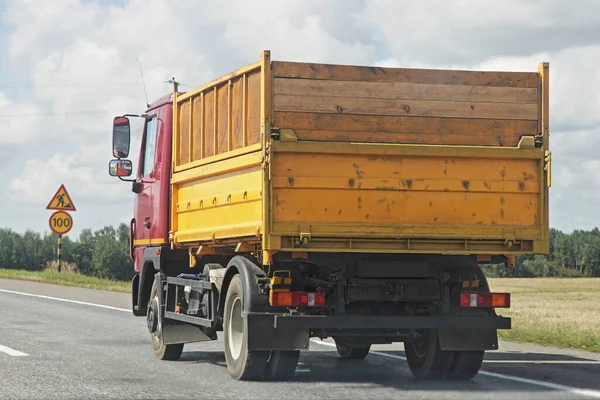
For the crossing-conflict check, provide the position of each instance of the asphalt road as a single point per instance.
(92, 347)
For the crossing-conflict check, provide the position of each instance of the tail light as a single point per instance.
(485, 300)
(296, 299)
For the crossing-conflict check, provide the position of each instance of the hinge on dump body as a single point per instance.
(539, 140)
(275, 133)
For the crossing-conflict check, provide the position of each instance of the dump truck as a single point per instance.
(290, 202)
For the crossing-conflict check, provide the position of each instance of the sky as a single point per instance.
(67, 67)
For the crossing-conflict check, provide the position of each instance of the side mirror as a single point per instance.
(120, 168)
(121, 137)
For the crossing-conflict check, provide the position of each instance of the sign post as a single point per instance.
(60, 221)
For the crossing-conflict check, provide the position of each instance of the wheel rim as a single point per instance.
(236, 328)
(155, 336)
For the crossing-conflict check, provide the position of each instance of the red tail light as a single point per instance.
(484, 300)
(296, 299)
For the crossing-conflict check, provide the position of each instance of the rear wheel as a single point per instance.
(170, 352)
(425, 358)
(465, 365)
(242, 363)
(352, 353)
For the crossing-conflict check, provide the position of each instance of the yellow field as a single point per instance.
(559, 312)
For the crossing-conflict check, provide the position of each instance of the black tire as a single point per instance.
(466, 364)
(426, 359)
(282, 364)
(246, 365)
(167, 352)
(352, 353)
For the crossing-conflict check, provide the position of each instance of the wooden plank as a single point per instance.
(404, 91)
(237, 109)
(409, 75)
(184, 133)
(343, 122)
(209, 124)
(464, 139)
(419, 108)
(253, 110)
(222, 111)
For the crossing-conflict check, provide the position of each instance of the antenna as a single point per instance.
(143, 83)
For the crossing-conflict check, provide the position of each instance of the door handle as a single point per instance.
(147, 223)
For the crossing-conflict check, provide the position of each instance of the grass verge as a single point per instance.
(66, 279)
(557, 312)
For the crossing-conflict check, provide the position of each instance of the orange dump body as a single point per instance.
(311, 157)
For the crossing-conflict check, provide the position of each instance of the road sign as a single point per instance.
(60, 222)
(61, 201)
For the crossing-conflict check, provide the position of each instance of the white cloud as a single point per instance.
(94, 48)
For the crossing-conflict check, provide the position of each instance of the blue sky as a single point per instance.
(96, 43)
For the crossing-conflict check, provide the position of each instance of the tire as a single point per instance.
(282, 364)
(167, 352)
(466, 364)
(242, 364)
(352, 353)
(426, 359)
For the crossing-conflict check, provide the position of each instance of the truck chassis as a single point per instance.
(391, 301)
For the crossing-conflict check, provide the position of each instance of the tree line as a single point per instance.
(105, 253)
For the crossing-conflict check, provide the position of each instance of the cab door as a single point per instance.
(145, 197)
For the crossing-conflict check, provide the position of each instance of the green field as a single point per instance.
(559, 312)
(66, 279)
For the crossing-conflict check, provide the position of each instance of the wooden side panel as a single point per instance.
(224, 117)
(395, 105)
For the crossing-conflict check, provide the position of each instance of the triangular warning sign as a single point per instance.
(61, 201)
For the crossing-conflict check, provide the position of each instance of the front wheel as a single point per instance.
(170, 352)
(242, 363)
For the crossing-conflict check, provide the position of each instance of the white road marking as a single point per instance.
(556, 362)
(65, 300)
(12, 352)
(582, 392)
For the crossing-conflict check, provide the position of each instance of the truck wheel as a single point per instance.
(242, 364)
(426, 359)
(169, 352)
(282, 364)
(352, 353)
(465, 365)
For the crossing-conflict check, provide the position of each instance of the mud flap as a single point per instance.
(468, 339)
(262, 335)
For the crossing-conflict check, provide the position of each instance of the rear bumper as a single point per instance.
(311, 322)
